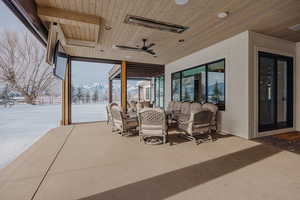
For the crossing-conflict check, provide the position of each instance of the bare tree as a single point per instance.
(23, 67)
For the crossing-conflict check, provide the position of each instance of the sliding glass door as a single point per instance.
(275, 92)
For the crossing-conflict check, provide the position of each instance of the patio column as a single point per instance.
(109, 90)
(124, 86)
(65, 103)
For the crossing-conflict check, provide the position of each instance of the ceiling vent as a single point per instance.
(295, 27)
(150, 23)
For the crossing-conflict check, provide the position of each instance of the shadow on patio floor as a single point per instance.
(171, 183)
(175, 138)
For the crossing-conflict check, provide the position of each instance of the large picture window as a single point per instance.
(204, 83)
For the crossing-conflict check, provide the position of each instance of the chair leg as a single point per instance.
(210, 137)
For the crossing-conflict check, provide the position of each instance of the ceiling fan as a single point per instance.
(145, 48)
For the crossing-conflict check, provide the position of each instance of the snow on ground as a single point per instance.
(22, 125)
(88, 112)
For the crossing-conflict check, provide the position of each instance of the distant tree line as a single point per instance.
(83, 96)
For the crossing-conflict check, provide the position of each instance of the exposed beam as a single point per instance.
(82, 43)
(67, 17)
(61, 35)
(52, 38)
(72, 42)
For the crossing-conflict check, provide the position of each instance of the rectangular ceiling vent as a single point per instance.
(150, 23)
(295, 27)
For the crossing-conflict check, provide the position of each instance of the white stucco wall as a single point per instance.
(260, 42)
(235, 118)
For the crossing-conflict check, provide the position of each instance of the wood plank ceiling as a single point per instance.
(270, 17)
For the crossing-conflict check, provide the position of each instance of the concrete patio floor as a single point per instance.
(89, 162)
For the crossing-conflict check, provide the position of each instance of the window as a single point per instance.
(148, 93)
(159, 91)
(215, 83)
(176, 86)
(193, 84)
(204, 83)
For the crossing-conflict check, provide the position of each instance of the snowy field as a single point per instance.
(22, 125)
(88, 112)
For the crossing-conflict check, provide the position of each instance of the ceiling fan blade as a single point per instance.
(128, 48)
(150, 45)
(150, 51)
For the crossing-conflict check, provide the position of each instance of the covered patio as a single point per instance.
(89, 162)
(232, 55)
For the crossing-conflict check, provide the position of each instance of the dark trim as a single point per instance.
(36, 28)
(96, 60)
(206, 83)
(70, 91)
(221, 107)
(137, 79)
(290, 92)
(158, 78)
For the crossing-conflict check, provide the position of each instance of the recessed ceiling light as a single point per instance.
(127, 56)
(106, 27)
(181, 2)
(223, 15)
(181, 40)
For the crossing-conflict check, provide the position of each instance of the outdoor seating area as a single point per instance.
(201, 98)
(191, 119)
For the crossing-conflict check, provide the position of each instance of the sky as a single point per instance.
(87, 73)
(8, 20)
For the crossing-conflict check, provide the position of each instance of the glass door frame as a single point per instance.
(290, 92)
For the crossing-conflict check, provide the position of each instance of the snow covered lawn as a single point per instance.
(22, 125)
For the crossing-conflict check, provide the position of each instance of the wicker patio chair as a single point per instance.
(197, 124)
(152, 122)
(108, 112)
(214, 120)
(122, 123)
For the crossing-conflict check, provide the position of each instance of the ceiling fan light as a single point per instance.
(181, 2)
(223, 15)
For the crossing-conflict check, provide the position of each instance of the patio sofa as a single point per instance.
(181, 111)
